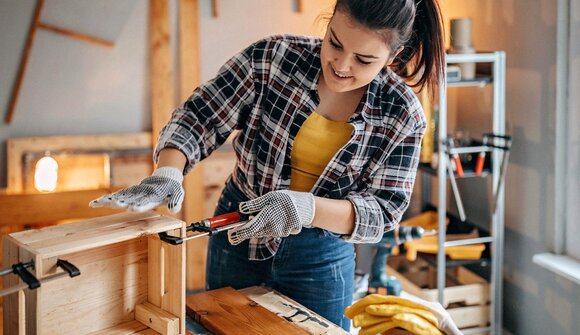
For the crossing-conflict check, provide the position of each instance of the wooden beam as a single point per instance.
(75, 34)
(299, 6)
(17, 209)
(157, 319)
(193, 206)
(23, 62)
(215, 8)
(161, 69)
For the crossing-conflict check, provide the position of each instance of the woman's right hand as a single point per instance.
(164, 186)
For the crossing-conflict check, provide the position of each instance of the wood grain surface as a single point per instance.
(228, 312)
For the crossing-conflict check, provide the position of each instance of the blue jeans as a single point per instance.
(314, 268)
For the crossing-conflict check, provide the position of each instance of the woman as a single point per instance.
(327, 151)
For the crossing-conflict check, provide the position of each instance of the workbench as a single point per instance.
(282, 306)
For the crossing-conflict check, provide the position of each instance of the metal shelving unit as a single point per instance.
(496, 240)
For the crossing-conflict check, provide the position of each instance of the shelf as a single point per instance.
(479, 81)
(452, 263)
(466, 173)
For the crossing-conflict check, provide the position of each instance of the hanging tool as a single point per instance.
(455, 157)
(379, 281)
(208, 227)
(504, 145)
(459, 169)
(30, 281)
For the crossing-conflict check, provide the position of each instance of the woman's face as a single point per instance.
(351, 55)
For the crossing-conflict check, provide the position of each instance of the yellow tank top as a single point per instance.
(316, 143)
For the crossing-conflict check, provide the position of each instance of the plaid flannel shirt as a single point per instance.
(266, 92)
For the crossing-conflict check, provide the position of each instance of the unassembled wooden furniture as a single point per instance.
(130, 283)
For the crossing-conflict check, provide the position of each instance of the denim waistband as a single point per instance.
(230, 198)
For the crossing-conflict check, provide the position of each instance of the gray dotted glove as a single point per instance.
(163, 186)
(280, 213)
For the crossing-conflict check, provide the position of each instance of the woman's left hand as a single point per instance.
(280, 213)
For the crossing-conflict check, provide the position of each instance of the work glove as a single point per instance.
(163, 186)
(280, 213)
(383, 312)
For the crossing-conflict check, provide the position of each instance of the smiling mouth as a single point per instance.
(338, 74)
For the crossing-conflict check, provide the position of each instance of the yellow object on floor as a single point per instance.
(377, 314)
(428, 244)
(393, 315)
(426, 220)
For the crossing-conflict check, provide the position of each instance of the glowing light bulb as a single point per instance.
(46, 174)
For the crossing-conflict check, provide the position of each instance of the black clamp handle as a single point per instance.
(67, 266)
(27, 277)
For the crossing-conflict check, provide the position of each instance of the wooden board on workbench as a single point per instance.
(228, 312)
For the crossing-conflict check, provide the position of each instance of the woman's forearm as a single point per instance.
(171, 157)
(334, 215)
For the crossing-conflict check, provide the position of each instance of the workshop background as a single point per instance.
(76, 88)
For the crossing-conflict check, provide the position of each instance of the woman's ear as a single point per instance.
(394, 55)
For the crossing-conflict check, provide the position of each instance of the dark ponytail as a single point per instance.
(416, 25)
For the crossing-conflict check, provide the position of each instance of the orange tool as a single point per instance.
(456, 159)
(479, 163)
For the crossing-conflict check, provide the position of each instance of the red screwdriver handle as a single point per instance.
(224, 219)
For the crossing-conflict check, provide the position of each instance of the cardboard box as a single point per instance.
(130, 282)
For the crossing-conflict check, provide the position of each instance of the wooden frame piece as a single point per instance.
(18, 147)
(162, 102)
(215, 8)
(18, 209)
(23, 62)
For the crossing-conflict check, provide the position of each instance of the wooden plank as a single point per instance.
(23, 62)
(10, 303)
(157, 319)
(161, 69)
(18, 209)
(470, 316)
(173, 301)
(215, 6)
(28, 238)
(21, 313)
(299, 6)
(292, 311)
(131, 327)
(226, 311)
(103, 296)
(18, 147)
(64, 239)
(76, 35)
(156, 286)
(33, 301)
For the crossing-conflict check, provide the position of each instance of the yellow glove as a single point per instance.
(364, 319)
(415, 324)
(378, 328)
(391, 310)
(373, 299)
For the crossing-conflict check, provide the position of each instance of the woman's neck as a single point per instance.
(338, 106)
